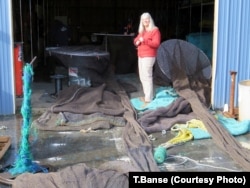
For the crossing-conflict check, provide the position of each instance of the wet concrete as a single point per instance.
(61, 149)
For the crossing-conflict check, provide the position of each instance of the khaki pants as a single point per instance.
(145, 66)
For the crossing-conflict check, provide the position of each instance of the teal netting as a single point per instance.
(24, 161)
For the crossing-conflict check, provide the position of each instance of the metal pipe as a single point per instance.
(232, 90)
(31, 31)
(37, 9)
(21, 20)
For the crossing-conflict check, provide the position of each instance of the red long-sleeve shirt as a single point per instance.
(151, 41)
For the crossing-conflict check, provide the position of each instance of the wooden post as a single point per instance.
(232, 90)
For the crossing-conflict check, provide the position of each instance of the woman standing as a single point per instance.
(147, 41)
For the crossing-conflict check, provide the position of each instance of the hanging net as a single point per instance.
(174, 55)
(24, 159)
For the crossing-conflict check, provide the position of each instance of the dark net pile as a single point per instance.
(189, 71)
(110, 174)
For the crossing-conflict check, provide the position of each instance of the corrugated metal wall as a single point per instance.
(7, 96)
(231, 49)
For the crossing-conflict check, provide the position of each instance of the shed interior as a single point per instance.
(33, 21)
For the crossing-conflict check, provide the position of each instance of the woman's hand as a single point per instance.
(137, 43)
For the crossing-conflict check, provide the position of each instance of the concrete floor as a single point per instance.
(61, 149)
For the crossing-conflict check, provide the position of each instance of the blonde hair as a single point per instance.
(151, 22)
